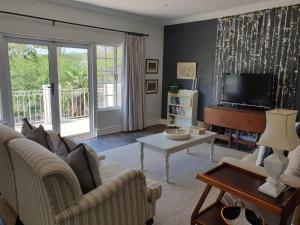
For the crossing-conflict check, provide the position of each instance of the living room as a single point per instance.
(107, 86)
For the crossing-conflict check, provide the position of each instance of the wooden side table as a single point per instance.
(244, 185)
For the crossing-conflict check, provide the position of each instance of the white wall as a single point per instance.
(106, 120)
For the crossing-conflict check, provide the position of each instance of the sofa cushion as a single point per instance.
(57, 144)
(294, 162)
(85, 165)
(36, 134)
(109, 170)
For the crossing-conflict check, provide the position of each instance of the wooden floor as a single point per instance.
(106, 142)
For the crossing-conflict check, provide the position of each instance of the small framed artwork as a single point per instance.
(186, 70)
(152, 66)
(151, 86)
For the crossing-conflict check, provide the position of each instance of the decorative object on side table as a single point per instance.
(280, 135)
(152, 66)
(151, 86)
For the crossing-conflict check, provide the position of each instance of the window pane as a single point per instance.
(110, 64)
(101, 64)
(101, 51)
(109, 76)
(110, 52)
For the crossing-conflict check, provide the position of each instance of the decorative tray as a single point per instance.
(177, 134)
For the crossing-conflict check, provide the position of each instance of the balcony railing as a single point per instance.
(36, 105)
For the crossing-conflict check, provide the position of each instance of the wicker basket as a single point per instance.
(239, 215)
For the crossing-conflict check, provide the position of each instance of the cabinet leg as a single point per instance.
(237, 138)
(230, 138)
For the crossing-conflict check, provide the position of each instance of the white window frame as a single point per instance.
(117, 73)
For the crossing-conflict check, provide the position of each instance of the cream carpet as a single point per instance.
(178, 197)
(181, 195)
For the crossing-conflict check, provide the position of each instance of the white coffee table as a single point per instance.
(159, 143)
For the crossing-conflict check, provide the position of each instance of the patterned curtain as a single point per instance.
(263, 42)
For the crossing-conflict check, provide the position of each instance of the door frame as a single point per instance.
(53, 78)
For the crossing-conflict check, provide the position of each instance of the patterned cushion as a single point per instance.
(110, 170)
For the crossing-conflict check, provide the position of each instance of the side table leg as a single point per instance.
(200, 203)
(142, 155)
(212, 148)
(167, 168)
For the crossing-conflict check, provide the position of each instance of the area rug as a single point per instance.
(180, 196)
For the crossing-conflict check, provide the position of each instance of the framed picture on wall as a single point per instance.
(186, 70)
(151, 86)
(152, 66)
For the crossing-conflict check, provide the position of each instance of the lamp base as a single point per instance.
(272, 189)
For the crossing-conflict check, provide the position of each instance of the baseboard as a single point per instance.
(118, 128)
(153, 122)
(164, 122)
(110, 130)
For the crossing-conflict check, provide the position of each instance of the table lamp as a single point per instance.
(280, 135)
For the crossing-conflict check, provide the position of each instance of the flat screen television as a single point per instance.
(248, 89)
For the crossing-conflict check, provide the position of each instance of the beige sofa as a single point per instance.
(43, 189)
(249, 163)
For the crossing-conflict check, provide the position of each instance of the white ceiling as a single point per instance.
(178, 11)
(169, 9)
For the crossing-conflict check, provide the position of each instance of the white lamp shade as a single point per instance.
(280, 132)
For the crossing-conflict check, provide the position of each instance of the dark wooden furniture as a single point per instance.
(235, 119)
(244, 185)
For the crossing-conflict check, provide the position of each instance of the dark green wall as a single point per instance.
(190, 42)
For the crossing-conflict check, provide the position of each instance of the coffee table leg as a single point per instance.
(142, 155)
(212, 148)
(167, 168)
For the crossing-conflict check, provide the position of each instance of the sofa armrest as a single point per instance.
(291, 180)
(125, 194)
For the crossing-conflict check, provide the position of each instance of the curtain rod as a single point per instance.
(74, 24)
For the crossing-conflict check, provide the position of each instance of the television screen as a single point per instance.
(248, 89)
(232, 88)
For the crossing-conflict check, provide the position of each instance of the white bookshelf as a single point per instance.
(182, 108)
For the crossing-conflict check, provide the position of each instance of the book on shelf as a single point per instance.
(177, 110)
(175, 100)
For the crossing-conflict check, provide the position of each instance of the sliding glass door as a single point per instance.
(73, 85)
(30, 84)
(50, 85)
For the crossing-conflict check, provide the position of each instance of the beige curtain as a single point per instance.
(133, 105)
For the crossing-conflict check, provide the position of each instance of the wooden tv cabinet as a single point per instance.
(235, 119)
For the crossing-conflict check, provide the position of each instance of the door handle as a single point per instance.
(52, 88)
